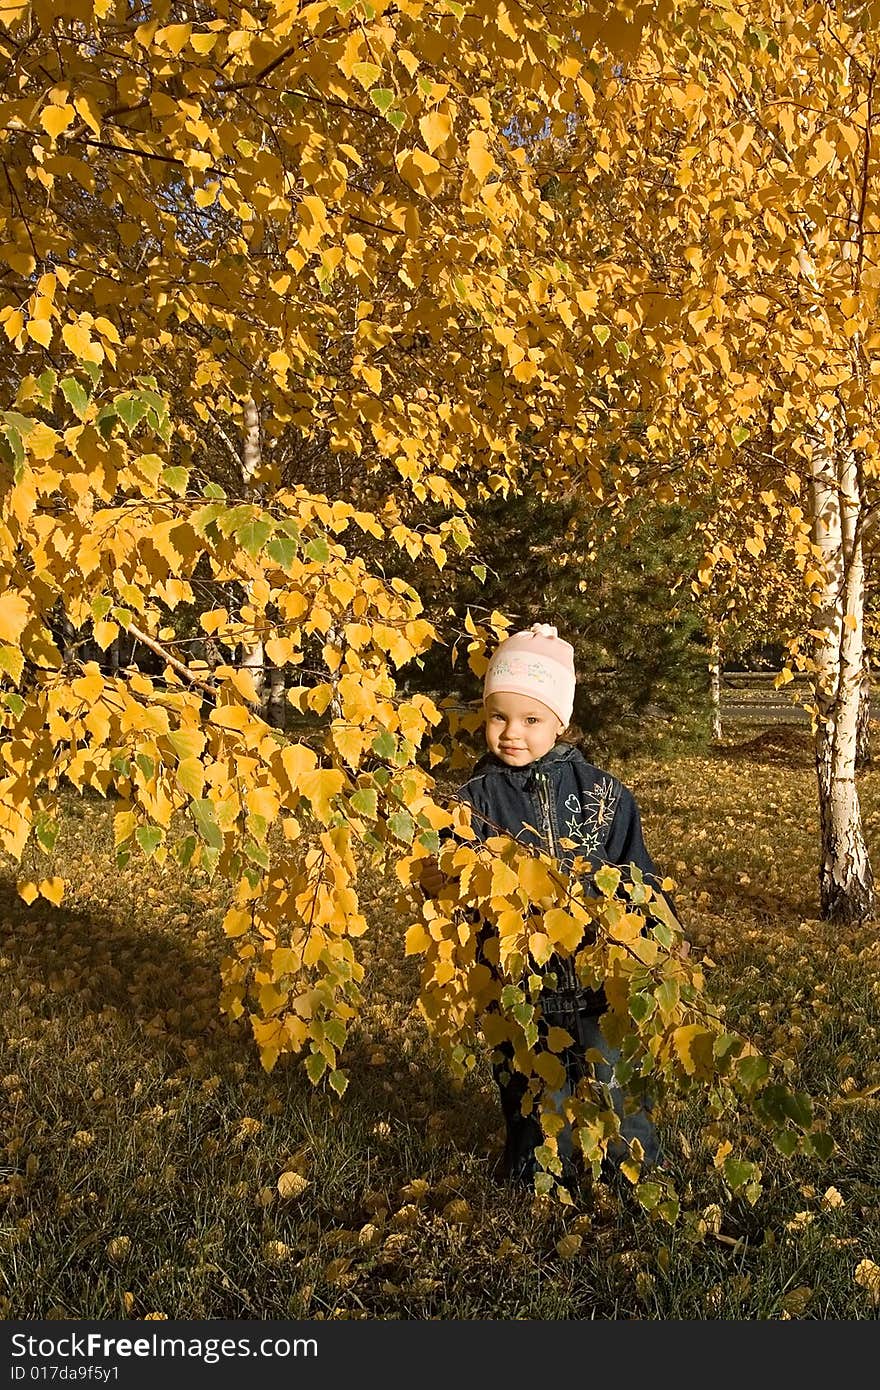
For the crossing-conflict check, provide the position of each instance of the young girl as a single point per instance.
(543, 792)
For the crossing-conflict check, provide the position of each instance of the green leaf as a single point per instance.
(316, 1065)
(753, 1071)
(47, 833)
(282, 549)
(397, 119)
(601, 333)
(649, 1194)
(822, 1144)
(430, 840)
(16, 447)
(402, 826)
(46, 382)
(661, 933)
(149, 837)
(384, 745)
(14, 703)
(106, 419)
(366, 73)
(23, 423)
(214, 491)
(668, 995)
(480, 572)
(204, 815)
(146, 765)
(798, 1106)
(511, 995)
(176, 479)
(607, 880)
(92, 371)
(738, 1172)
(366, 802)
(131, 410)
(383, 97)
(11, 662)
(184, 850)
(740, 434)
(641, 1007)
(252, 536)
(786, 1142)
(339, 1081)
(257, 854)
(76, 395)
(318, 550)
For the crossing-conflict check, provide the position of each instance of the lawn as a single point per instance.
(150, 1168)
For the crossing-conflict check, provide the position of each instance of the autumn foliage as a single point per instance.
(407, 237)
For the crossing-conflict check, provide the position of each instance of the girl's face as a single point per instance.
(519, 729)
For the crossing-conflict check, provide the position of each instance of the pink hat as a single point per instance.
(535, 662)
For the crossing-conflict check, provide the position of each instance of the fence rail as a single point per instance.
(750, 697)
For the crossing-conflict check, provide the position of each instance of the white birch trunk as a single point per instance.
(252, 657)
(715, 687)
(863, 732)
(277, 708)
(846, 886)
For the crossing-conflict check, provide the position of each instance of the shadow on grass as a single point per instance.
(152, 992)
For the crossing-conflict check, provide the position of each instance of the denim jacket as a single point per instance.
(562, 797)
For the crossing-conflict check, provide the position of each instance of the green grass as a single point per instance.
(142, 1142)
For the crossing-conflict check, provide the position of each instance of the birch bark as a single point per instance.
(846, 886)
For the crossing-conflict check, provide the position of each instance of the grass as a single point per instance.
(142, 1143)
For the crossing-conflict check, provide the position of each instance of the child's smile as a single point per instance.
(519, 729)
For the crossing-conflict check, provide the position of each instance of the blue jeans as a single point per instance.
(524, 1132)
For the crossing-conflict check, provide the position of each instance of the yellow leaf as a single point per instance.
(694, 1046)
(213, 619)
(174, 37)
(292, 1185)
(436, 128)
(569, 1246)
(416, 940)
(80, 343)
(14, 614)
(319, 788)
(536, 880)
(504, 881)
(237, 921)
(540, 947)
(550, 1069)
(53, 889)
(56, 119)
(244, 684)
(562, 929)
(14, 324)
(40, 330)
(479, 158)
(28, 891)
(107, 330)
(867, 1275)
(88, 111)
(191, 777)
(298, 760)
